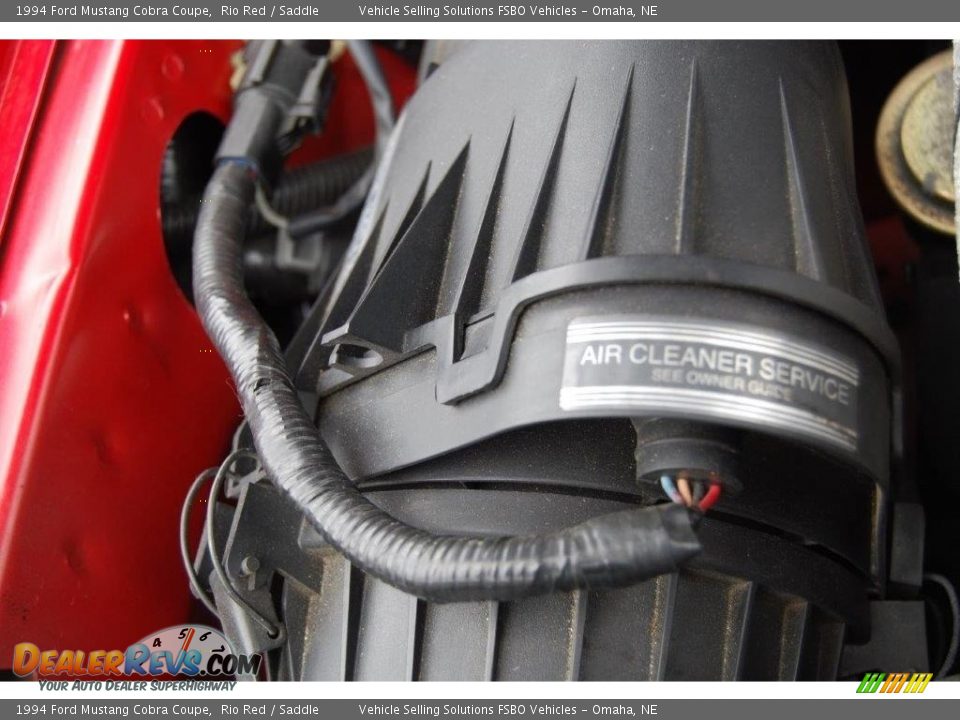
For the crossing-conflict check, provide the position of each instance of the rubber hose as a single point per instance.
(611, 550)
(299, 191)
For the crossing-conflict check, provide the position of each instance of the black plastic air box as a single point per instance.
(585, 264)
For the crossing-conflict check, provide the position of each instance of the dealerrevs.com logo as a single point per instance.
(894, 683)
(181, 650)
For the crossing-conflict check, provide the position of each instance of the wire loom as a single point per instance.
(608, 551)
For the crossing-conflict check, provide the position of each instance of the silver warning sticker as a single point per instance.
(710, 369)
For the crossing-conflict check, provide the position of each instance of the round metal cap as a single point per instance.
(915, 143)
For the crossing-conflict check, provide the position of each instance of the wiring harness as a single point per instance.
(691, 493)
(611, 550)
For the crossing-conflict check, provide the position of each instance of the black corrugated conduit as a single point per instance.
(298, 191)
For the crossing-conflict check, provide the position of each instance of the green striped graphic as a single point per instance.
(871, 682)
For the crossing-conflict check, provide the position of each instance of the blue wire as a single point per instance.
(666, 482)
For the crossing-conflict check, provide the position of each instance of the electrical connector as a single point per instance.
(282, 96)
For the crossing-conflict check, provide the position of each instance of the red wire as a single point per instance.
(713, 494)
